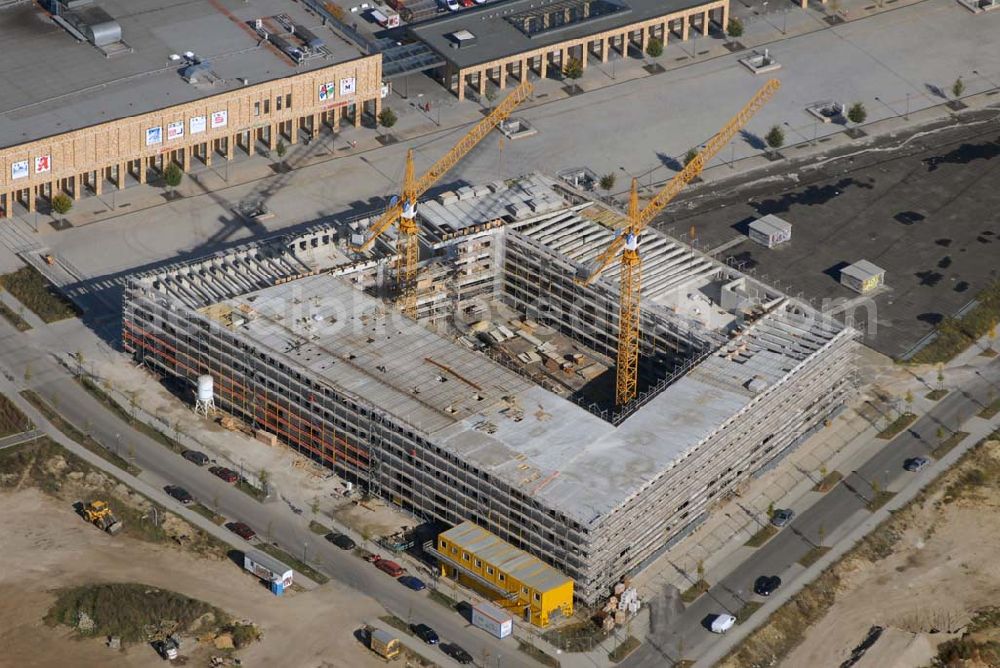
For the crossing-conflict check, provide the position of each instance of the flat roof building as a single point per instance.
(513, 37)
(503, 415)
(770, 231)
(862, 276)
(188, 81)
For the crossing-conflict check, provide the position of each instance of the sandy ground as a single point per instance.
(942, 569)
(46, 546)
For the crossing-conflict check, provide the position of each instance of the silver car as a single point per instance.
(782, 516)
(915, 464)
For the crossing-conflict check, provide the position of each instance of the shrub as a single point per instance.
(775, 137)
(607, 182)
(281, 149)
(573, 69)
(857, 113)
(958, 87)
(173, 175)
(735, 27)
(387, 117)
(690, 155)
(61, 203)
(655, 47)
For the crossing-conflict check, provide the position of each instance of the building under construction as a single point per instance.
(497, 405)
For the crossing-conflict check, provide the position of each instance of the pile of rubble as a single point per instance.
(623, 605)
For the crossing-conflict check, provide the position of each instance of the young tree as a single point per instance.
(654, 47)
(172, 175)
(264, 476)
(690, 155)
(775, 137)
(281, 149)
(940, 376)
(770, 509)
(735, 27)
(857, 113)
(314, 506)
(387, 117)
(61, 203)
(491, 95)
(958, 87)
(701, 570)
(573, 69)
(909, 400)
(607, 182)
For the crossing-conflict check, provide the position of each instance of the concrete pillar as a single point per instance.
(502, 83)
(584, 48)
(31, 198)
(604, 50)
(99, 181)
(272, 136)
(335, 119)
(187, 158)
(543, 68)
(645, 38)
(704, 23)
(76, 186)
(665, 33)
(482, 81)
(251, 142)
(230, 147)
(293, 131)
(122, 172)
(684, 27)
(522, 74)
(315, 126)
(209, 150)
(143, 165)
(725, 16)
(5, 211)
(357, 115)
(461, 85)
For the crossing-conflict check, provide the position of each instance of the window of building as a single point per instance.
(454, 551)
(489, 570)
(256, 108)
(465, 556)
(277, 103)
(479, 564)
(524, 590)
(501, 577)
(267, 106)
(538, 597)
(288, 101)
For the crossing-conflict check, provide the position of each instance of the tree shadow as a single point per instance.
(669, 162)
(753, 140)
(936, 91)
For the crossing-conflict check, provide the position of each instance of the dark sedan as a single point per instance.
(414, 583)
(228, 475)
(341, 541)
(179, 493)
(241, 530)
(765, 585)
(425, 633)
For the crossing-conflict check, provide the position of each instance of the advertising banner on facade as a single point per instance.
(197, 124)
(19, 169)
(154, 135)
(175, 130)
(219, 119)
(43, 163)
(326, 91)
(348, 85)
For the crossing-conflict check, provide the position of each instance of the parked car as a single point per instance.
(199, 458)
(179, 493)
(481, 2)
(722, 623)
(341, 541)
(452, 5)
(467, 3)
(425, 633)
(915, 464)
(766, 584)
(228, 475)
(414, 583)
(782, 516)
(390, 567)
(241, 530)
(457, 653)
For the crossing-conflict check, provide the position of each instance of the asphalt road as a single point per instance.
(161, 466)
(841, 508)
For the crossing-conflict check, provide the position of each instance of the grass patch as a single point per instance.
(948, 444)
(828, 482)
(628, 646)
(251, 491)
(298, 565)
(989, 352)
(415, 658)
(990, 411)
(879, 499)
(537, 654)
(14, 318)
(443, 599)
(12, 420)
(937, 395)
(130, 610)
(318, 529)
(75, 434)
(396, 623)
(691, 594)
(762, 536)
(207, 512)
(32, 289)
(898, 425)
(747, 610)
(98, 393)
(813, 555)
(956, 334)
(581, 636)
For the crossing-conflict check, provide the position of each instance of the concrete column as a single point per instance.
(335, 119)
(5, 211)
(230, 147)
(522, 74)
(725, 16)
(357, 115)
(665, 33)
(482, 81)
(704, 23)
(76, 186)
(684, 27)
(31, 198)
(544, 67)
(209, 150)
(314, 127)
(584, 48)
(186, 166)
(604, 50)
(461, 85)
(645, 38)
(293, 131)
(99, 181)
(272, 136)
(251, 142)
(503, 77)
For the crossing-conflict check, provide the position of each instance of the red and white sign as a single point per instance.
(43, 163)
(175, 130)
(348, 85)
(220, 119)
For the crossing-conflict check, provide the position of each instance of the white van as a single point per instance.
(722, 623)
(453, 5)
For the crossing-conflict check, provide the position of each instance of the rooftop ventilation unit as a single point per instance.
(461, 39)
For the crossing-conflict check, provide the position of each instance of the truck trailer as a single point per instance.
(492, 619)
(277, 575)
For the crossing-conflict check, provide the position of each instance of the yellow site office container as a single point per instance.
(512, 578)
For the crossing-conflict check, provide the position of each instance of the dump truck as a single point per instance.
(99, 514)
(383, 643)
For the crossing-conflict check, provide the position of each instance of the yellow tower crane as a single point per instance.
(628, 243)
(404, 210)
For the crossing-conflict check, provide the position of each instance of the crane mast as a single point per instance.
(403, 212)
(627, 243)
